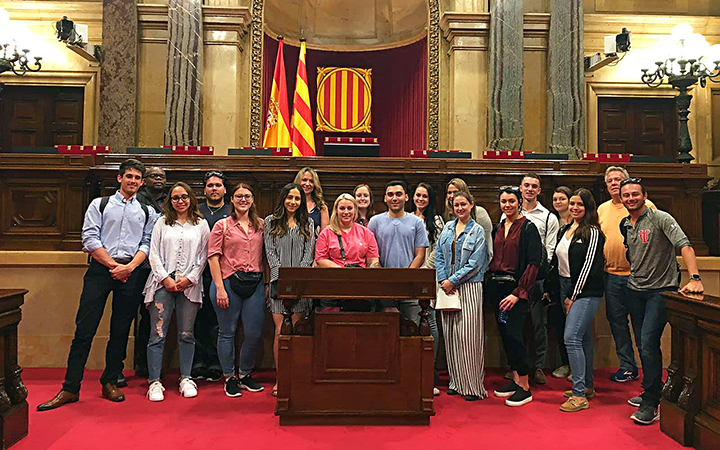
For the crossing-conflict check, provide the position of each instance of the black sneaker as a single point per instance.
(232, 387)
(199, 373)
(508, 390)
(519, 398)
(471, 398)
(213, 375)
(452, 391)
(646, 415)
(121, 382)
(251, 385)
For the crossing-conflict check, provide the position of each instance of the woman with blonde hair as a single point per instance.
(479, 215)
(178, 253)
(308, 179)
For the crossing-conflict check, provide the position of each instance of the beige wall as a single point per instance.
(54, 281)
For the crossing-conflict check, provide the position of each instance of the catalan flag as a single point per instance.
(301, 131)
(277, 131)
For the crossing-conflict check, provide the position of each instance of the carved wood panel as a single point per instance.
(34, 210)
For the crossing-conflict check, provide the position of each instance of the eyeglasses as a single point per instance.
(180, 198)
(634, 180)
(213, 173)
(243, 197)
(156, 176)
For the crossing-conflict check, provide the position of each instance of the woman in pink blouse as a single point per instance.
(235, 257)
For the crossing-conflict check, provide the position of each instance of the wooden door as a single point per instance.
(642, 126)
(41, 116)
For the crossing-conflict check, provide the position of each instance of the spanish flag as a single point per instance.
(301, 131)
(277, 134)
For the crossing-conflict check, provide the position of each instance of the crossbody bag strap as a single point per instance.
(342, 249)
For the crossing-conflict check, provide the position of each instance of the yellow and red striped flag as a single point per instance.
(277, 132)
(301, 130)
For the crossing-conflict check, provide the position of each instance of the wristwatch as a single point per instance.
(695, 277)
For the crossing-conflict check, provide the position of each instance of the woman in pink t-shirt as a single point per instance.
(345, 243)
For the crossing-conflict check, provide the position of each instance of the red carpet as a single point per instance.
(213, 420)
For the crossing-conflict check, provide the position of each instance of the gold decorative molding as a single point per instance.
(345, 48)
(433, 45)
(221, 25)
(470, 31)
(89, 80)
(256, 39)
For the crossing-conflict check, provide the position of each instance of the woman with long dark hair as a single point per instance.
(178, 253)
(317, 209)
(289, 235)
(579, 265)
(511, 276)
(460, 263)
(423, 206)
(561, 203)
(364, 197)
(235, 256)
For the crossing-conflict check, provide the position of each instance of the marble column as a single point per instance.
(183, 100)
(117, 121)
(505, 77)
(565, 82)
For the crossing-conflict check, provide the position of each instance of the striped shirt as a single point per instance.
(291, 250)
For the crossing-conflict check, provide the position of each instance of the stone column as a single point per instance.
(505, 77)
(467, 34)
(183, 100)
(565, 82)
(118, 76)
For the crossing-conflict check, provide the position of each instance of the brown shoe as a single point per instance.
(589, 393)
(574, 404)
(539, 377)
(60, 399)
(112, 393)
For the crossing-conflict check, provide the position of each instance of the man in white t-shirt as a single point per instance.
(548, 226)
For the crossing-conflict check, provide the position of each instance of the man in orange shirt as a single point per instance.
(617, 271)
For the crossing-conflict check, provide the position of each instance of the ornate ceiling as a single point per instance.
(347, 24)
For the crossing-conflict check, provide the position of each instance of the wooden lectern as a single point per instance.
(365, 368)
(690, 404)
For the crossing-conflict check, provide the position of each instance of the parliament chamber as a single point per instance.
(369, 92)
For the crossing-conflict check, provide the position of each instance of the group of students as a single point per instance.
(530, 258)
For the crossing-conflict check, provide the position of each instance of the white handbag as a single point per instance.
(447, 302)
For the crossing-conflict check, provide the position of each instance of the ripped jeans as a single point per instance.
(161, 310)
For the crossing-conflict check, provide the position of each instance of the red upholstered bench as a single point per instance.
(191, 149)
(82, 149)
(455, 154)
(260, 151)
(608, 157)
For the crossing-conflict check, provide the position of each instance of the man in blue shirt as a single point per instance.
(118, 239)
(401, 239)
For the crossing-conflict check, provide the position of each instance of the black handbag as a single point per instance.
(244, 283)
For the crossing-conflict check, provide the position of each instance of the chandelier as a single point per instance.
(684, 58)
(12, 57)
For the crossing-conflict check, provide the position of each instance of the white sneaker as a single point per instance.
(188, 388)
(155, 392)
(436, 391)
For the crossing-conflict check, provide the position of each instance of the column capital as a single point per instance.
(470, 31)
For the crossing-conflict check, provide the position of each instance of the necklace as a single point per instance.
(212, 213)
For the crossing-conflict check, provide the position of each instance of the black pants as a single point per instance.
(512, 332)
(142, 328)
(206, 330)
(97, 285)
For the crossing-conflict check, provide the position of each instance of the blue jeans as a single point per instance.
(617, 310)
(161, 310)
(648, 309)
(252, 312)
(579, 337)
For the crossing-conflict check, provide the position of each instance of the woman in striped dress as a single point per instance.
(289, 236)
(460, 263)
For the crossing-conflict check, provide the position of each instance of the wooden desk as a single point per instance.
(13, 393)
(355, 368)
(690, 405)
(44, 197)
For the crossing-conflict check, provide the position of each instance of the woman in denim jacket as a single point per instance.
(460, 263)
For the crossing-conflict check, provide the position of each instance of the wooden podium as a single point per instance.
(365, 368)
(690, 404)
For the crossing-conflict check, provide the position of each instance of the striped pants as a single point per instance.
(464, 334)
